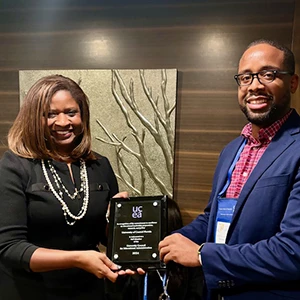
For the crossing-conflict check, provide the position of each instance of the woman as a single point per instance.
(54, 194)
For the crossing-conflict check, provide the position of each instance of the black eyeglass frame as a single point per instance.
(275, 72)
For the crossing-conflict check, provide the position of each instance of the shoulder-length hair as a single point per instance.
(30, 136)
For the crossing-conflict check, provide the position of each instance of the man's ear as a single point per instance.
(294, 83)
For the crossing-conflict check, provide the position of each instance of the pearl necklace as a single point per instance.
(59, 182)
(84, 187)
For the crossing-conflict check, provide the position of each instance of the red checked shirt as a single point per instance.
(251, 154)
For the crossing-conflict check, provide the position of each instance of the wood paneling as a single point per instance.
(202, 39)
(296, 50)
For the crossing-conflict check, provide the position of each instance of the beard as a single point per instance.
(275, 112)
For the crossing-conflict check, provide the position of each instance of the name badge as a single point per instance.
(225, 212)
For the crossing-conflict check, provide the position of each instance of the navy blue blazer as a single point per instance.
(261, 257)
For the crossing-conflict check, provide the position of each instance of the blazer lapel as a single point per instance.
(220, 182)
(286, 136)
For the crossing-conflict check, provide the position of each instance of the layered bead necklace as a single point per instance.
(84, 187)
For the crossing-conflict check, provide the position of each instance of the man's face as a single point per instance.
(263, 104)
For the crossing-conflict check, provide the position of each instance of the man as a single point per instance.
(248, 239)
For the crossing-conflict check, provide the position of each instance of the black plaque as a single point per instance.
(136, 226)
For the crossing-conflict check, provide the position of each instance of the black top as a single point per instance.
(31, 217)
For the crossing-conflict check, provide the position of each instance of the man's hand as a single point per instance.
(179, 249)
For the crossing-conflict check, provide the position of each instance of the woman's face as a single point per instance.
(64, 121)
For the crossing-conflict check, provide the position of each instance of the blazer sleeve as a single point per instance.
(197, 229)
(266, 261)
(15, 250)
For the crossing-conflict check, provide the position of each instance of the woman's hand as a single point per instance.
(43, 260)
(121, 195)
(102, 267)
(140, 271)
(98, 264)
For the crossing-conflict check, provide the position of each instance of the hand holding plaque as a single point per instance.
(136, 226)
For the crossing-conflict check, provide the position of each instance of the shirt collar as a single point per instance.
(265, 135)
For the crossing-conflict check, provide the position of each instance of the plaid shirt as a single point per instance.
(251, 154)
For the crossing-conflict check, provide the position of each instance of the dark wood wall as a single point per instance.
(202, 39)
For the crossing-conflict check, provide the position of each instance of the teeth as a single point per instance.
(62, 132)
(257, 101)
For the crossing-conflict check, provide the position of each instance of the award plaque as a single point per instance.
(136, 226)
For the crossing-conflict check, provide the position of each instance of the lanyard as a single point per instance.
(145, 286)
(230, 171)
(226, 206)
(164, 281)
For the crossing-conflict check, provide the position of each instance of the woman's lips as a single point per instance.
(62, 134)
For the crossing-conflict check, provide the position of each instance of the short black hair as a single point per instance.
(289, 58)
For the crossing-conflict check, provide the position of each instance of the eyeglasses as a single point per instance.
(264, 77)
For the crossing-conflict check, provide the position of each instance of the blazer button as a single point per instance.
(100, 188)
(46, 187)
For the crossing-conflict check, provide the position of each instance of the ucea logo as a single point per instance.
(137, 212)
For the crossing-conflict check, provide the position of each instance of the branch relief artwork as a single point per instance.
(132, 122)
